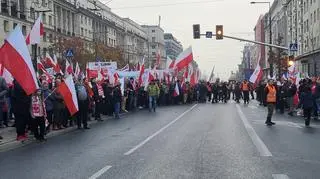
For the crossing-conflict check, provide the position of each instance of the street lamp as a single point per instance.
(270, 34)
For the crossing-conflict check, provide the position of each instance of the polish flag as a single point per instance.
(77, 70)
(49, 61)
(69, 69)
(91, 73)
(184, 59)
(36, 32)
(141, 72)
(176, 91)
(116, 77)
(186, 72)
(56, 66)
(40, 65)
(170, 63)
(6, 76)
(68, 92)
(256, 75)
(16, 59)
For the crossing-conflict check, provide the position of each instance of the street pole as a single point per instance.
(270, 41)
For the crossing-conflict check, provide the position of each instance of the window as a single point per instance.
(4, 7)
(44, 3)
(153, 31)
(153, 53)
(50, 38)
(86, 32)
(81, 17)
(49, 4)
(153, 47)
(24, 30)
(85, 20)
(50, 20)
(81, 31)
(44, 18)
(6, 26)
(14, 9)
(314, 17)
(14, 25)
(44, 37)
(153, 39)
(32, 13)
(318, 14)
(311, 18)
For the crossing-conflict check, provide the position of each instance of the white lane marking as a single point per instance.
(280, 123)
(280, 176)
(262, 148)
(100, 172)
(253, 107)
(158, 132)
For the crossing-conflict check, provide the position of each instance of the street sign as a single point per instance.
(293, 47)
(209, 35)
(69, 53)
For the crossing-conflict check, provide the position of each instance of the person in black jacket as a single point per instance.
(97, 100)
(307, 102)
(291, 92)
(20, 105)
(117, 100)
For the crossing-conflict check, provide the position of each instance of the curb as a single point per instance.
(13, 144)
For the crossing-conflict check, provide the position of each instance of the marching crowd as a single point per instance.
(45, 110)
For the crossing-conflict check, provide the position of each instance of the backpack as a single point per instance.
(82, 93)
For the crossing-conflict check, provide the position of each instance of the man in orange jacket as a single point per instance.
(245, 90)
(271, 93)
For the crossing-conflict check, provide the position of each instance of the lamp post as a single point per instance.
(270, 34)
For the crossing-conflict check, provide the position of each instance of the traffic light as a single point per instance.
(219, 32)
(196, 31)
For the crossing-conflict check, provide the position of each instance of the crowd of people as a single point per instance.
(45, 110)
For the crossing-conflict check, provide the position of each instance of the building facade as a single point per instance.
(155, 44)
(172, 45)
(259, 35)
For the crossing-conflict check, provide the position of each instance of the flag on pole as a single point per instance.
(56, 66)
(170, 63)
(184, 59)
(256, 75)
(141, 72)
(69, 69)
(176, 91)
(77, 70)
(68, 92)
(40, 65)
(15, 57)
(36, 32)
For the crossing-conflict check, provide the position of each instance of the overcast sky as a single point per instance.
(238, 17)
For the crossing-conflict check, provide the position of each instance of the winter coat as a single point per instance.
(49, 102)
(307, 100)
(20, 100)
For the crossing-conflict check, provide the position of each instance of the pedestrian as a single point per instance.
(83, 101)
(153, 92)
(291, 90)
(245, 90)
(38, 114)
(3, 101)
(271, 94)
(58, 108)
(117, 96)
(97, 97)
(20, 106)
(307, 102)
(49, 102)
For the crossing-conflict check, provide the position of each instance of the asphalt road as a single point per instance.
(192, 141)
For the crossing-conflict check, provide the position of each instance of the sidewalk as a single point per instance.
(9, 141)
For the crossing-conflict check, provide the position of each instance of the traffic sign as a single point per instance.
(293, 47)
(69, 53)
(209, 35)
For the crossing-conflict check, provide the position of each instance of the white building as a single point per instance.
(155, 42)
(172, 45)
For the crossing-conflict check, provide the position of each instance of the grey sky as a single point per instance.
(237, 16)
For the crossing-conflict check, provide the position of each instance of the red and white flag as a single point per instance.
(68, 92)
(36, 32)
(6, 75)
(49, 61)
(141, 72)
(184, 59)
(40, 65)
(176, 91)
(256, 75)
(170, 63)
(112, 79)
(15, 57)
(77, 70)
(69, 69)
(57, 67)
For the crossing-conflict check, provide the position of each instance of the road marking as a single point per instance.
(100, 172)
(262, 148)
(253, 107)
(280, 176)
(158, 132)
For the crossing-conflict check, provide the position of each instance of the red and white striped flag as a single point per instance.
(176, 91)
(68, 92)
(77, 70)
(40, 65)
(15, 57)
(184, 59)
(69, 69)
(141, 72)
(57, 67)
(36, 32)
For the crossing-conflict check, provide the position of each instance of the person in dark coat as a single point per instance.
(237, 92)
(97, 100)
(49, 101)
(20, 106)
(307, 102)
(117, 96)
